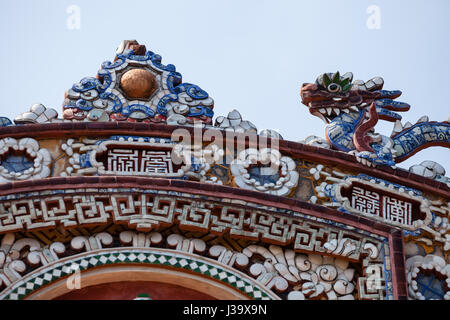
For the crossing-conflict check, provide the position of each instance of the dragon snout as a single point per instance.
(308, 87)
(306, 90)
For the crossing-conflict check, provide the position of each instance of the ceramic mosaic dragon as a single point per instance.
(351, 110)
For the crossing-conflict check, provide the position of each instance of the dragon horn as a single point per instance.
(336, 77)
(349, 76)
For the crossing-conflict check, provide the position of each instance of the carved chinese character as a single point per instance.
(123, 160)
(156, 162)
(366, 201)
(396, 210)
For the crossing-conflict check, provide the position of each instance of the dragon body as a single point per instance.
(352, 110)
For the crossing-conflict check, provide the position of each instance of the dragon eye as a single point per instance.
(333, 87)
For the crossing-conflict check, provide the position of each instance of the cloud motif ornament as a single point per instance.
(23, 159)
(265, 170)
(428, 278)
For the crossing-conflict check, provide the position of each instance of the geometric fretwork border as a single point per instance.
(145, 256)
(145, 210)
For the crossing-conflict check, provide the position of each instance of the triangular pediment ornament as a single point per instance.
(137, 87)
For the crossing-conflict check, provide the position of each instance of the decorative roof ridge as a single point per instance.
(70, 129)
(137, 88)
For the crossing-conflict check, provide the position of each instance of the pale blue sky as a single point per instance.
(250, 55)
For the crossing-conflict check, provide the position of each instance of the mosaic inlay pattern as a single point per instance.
(351, 109)
(137, 87)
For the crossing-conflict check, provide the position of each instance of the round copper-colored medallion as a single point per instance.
(138, 83)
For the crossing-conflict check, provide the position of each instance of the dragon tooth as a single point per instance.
(329, 111)
(348, 75)
(346, 110)
(423, 119)
(322, 111)
(354, 108)
(337, 111)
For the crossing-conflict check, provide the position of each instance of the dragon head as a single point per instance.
(333, 94)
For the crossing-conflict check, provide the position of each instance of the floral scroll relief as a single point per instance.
(306, 276)
(29, 148)
(289, 274)
(279, 172)
(17, 254)
(14, 253)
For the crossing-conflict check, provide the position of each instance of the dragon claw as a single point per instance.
(372, 159)
(365, 157)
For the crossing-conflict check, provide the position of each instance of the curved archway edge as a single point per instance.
(165, 265)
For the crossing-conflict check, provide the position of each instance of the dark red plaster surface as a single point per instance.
(128, 290)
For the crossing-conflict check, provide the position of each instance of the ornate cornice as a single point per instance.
(295, 149)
